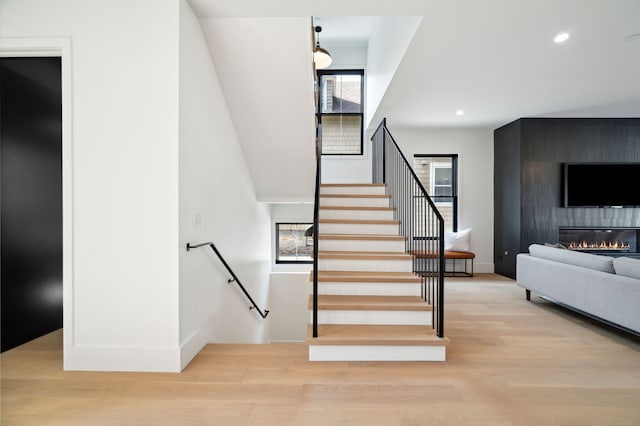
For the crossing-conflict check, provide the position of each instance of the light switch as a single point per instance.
(197, 221)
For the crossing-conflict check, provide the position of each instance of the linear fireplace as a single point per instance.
(613, 241)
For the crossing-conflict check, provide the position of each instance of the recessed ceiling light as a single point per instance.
(459, 112)
(561, 37)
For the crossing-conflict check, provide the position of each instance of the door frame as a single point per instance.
(58, 47)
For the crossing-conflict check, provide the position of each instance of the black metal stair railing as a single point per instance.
(420, 221)
(316, 198)
(234, 278)
(316, 213)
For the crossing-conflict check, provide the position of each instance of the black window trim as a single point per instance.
(284, 262)
(454, 183)
(350, 71)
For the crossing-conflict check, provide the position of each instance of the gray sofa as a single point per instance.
(604, 287)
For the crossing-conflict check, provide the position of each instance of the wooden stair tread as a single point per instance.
(381, 237)
(364, 255)
(354, 196)
(355, 276)
(378, 335)
(342, 185)
(448, 254)
(370, 303)
(360, 221)
(360, 208)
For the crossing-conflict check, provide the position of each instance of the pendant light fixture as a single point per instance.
(321, 57)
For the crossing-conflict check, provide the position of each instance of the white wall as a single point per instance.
(218, 204)
(289, 213)
(289, 286)
(288, 297)
(475, 185)
(346, 56)
(265, 66)
(121, 304)
(153, 147)
(389, 40)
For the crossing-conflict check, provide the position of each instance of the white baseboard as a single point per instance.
(190, 348)
(164, 359)
(161, 359)
(483, 268)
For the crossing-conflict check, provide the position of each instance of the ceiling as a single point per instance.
(494, 59)
(345, 30)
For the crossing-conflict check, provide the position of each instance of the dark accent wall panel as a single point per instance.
(544, 144)
(31, 187)
(506, 198)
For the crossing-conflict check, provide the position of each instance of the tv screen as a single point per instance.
(601, 184)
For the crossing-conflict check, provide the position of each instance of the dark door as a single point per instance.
(31, 209)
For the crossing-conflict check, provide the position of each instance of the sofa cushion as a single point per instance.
(627, 267)
(585, 260)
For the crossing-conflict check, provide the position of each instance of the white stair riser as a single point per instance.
(354, 202)
(361, 265)
(361, 245)
(369, 289)
(376, 353)
(356, 214)
(359, 228)
(359, 190)
(373, 317)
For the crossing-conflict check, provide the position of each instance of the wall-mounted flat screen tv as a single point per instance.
(601, 184)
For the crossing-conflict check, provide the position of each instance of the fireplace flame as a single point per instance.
(603, 245)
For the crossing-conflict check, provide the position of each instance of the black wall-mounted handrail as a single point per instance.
(235, 278)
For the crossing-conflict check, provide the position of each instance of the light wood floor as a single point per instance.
(509, 362)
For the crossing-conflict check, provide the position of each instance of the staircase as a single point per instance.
(371, 306)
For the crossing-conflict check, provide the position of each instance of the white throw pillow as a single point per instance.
(458, 241)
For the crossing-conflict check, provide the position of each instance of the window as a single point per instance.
(442, 183)
(341, 111)
(438, 174)
(294, 242)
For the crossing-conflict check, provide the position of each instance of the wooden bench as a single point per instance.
(454, 256)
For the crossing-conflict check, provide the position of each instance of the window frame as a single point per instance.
(441, 165)
(277, 242)
(320, 114)
(454, 184)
